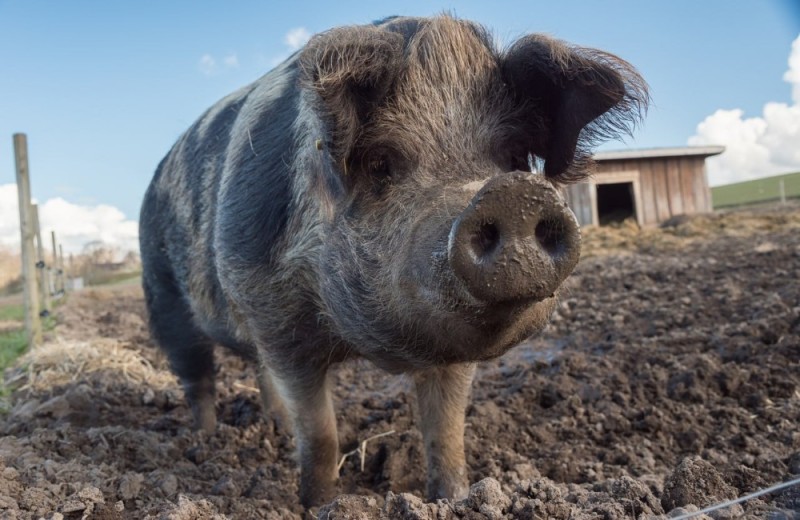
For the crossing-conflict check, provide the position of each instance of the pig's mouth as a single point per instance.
(479, 330)
(493, 317)
(499, 313)
(451, 294)
(496, 327)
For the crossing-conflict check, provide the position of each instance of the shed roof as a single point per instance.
(655, 153)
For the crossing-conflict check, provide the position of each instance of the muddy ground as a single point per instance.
(668, 381)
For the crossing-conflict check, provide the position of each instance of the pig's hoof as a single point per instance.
(208, 425)
(205, 419)
(454, 491)
(317, 491)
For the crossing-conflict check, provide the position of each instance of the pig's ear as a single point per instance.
(352, 69)
(581, 96)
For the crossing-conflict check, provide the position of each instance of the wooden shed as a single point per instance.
(648, 185)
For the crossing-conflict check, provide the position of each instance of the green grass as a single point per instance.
(13, 312)
(13, 343)
(111, 278)
(766, 189)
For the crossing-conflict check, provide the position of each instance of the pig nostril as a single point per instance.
(485, 241)
(550, 234)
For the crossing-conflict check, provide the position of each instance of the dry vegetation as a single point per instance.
(62, 362)
(97, 264)
(683, 232)
(10, 269)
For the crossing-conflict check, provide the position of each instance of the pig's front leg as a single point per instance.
(307, 398)
(442, 395)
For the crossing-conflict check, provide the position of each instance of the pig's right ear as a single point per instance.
(351, 69)
(581, 96)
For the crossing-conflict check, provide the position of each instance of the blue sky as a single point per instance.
(104, 88)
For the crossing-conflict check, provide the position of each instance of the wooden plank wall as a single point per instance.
(579, 199)
(674, 187)
(670, 186)
(687, 174)
(702, 187)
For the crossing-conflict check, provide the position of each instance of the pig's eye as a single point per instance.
(527, 161)
(379, 169)
(535, 163)
(519, 162)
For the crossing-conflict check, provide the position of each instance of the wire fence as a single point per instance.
(43, 279)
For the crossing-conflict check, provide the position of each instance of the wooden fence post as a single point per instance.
(61, 269)
(57, 276)
(43, 276)
(33, 325)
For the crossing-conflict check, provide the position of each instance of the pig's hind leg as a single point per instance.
(270, 400)
(189, 350)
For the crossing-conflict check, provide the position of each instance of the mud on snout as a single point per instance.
(486, 279)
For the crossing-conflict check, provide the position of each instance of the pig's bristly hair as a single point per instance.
(619, 121)
(628, 113)
(351, 69)
(393, 84)
(585, 96)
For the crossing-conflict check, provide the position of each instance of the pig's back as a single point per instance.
(223, 175)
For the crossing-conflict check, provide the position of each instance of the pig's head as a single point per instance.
(441, 244)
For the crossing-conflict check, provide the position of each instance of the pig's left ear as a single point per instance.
(351, 69)
(582, 96)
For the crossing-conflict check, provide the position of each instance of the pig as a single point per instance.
(389, 192)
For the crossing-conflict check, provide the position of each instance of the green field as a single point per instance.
(756, 191)
(13, 342)
(12, 312)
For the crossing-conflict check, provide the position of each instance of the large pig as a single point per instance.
(389, 192)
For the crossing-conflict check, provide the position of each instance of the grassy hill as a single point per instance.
(760, 190)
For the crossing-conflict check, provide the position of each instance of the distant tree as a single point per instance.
(97, 252)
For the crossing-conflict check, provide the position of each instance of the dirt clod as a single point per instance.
(695, 482)
(130, 485)
(350, 507)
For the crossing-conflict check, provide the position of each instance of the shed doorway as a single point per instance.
(615, 202)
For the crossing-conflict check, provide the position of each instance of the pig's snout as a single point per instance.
(517, 240)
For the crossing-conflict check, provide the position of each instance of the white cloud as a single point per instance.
(294, 40)
(209, 65)
(231, 61)
(755, 146)
(75, 225)
(296, 37)
(9, 216)
(792, 75)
